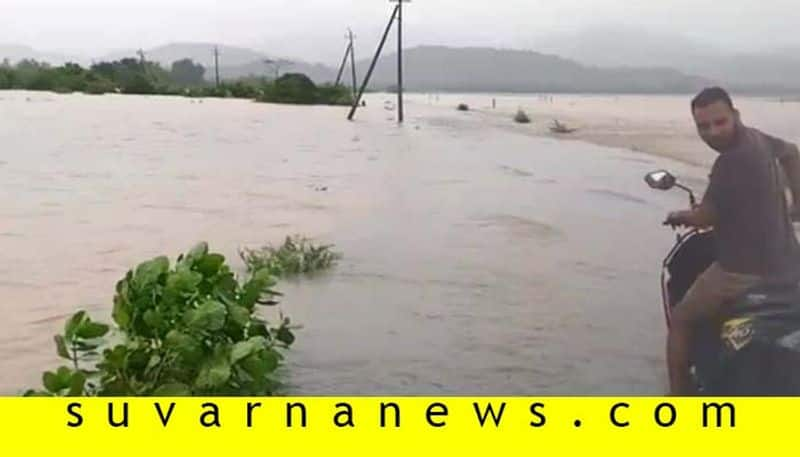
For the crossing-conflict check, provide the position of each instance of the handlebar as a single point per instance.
(692, 199)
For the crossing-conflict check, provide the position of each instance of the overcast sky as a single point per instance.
(314, 29)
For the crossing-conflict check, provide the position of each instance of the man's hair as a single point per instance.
(711, 95)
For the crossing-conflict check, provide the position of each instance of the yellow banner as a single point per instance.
(407, 426)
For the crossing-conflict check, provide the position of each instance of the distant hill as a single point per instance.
(766, 71)
(202, 53)
(437, 68)
(14, 53)
(235, 62)
(626, 45)
(594, 60)
(760, 73)
(319, 73)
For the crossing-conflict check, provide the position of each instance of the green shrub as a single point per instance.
(7, 78)
(295, 256)
(185, 329)
(334, 95)
(291, 88)
(138, 84)
(241, 89)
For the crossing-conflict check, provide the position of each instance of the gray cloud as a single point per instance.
(314, 29)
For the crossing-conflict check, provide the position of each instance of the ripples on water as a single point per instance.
(477, 260)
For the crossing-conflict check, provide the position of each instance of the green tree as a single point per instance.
(186, 72)
(6, 78)
(97, 84)
(292, 88)
(133, 76)
(105, 69)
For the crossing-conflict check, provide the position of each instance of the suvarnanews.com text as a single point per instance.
(385, 414)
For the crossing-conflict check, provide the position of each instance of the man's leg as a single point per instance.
(705, 300)
(678, 342)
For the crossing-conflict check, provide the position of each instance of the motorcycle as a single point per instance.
(754, 349)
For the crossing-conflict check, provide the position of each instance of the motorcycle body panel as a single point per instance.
(754, 350)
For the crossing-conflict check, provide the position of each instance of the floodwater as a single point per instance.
(476, 260)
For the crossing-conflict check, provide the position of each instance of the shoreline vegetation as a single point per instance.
(184, 78)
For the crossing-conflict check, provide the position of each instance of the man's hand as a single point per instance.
(700, 216)
(680, 218)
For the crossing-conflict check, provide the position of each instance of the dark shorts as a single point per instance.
(713, 290)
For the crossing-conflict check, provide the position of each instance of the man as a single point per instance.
(746, 204)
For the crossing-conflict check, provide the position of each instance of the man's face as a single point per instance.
(716, 124)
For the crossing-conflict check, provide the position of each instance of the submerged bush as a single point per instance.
(521, 117)
(295, 256)
(297, 88)
(99, 86)
(291, 88)
(185, 329)
(335, 95)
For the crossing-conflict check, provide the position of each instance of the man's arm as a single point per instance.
(704, 213)
(789, 157)
(701, 216)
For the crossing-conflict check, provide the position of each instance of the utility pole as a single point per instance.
(349, 53)
(216, 64)
(140, 52)
(400, 114)
(353, 61)
(396, 14)
(344, 62)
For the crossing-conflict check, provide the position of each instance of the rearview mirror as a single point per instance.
(660, 179)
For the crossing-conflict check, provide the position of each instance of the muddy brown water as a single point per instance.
(476, 260)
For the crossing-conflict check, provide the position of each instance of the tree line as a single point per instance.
(184, 77)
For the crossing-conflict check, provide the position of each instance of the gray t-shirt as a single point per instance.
(753, 229)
